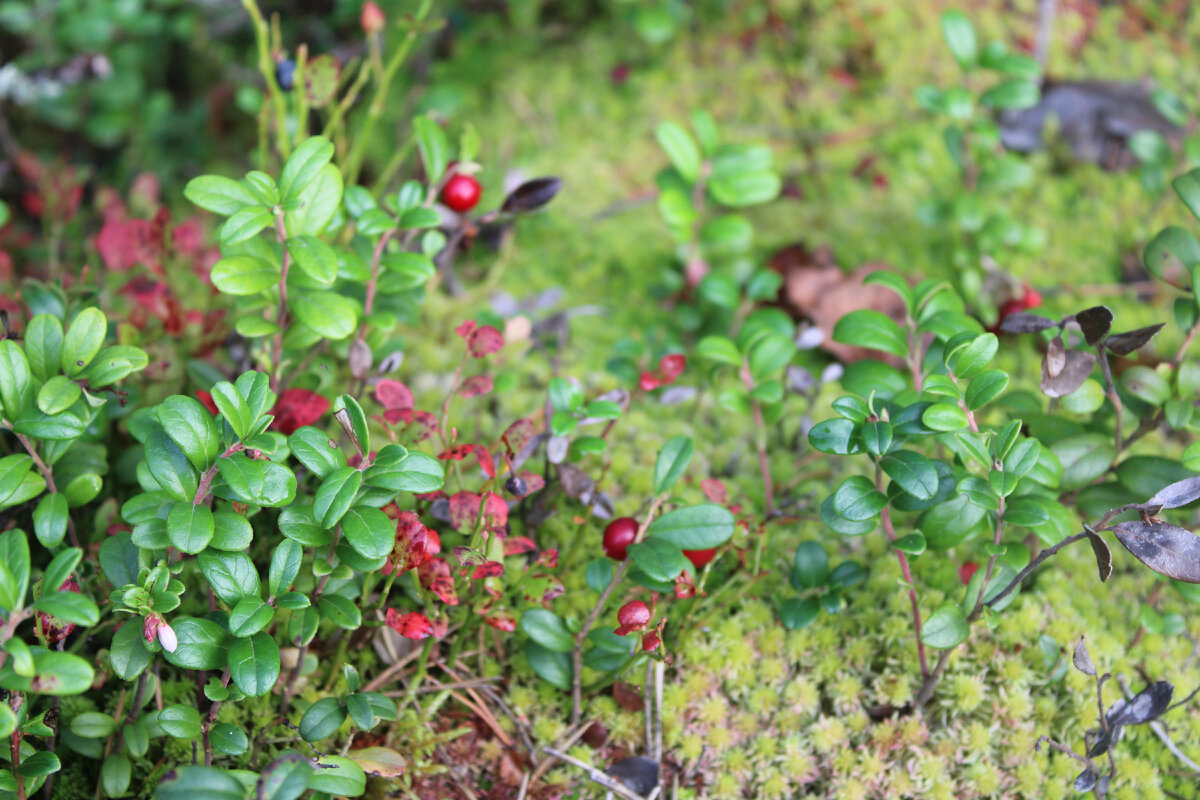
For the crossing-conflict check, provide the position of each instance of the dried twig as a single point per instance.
(595, 774)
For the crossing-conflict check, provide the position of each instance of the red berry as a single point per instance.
(461, 193)
(619, 534)
(1032, 298)
(700, 557)
(633, 616)
(672, 366)
(967, 571)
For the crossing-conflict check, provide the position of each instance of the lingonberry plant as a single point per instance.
(1005, 474)
(980, 227)
(55, 387)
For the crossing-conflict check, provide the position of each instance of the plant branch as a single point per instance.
(48, 475)
(906, 571)
(280, 316)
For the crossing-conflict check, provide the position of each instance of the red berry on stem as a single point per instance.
(700, 558)
(461, 193)
(619, 534)
(633, 616)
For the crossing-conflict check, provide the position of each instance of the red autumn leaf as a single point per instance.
(518, 545)
(518, 434)
(651, 641)
(415, 544)
(187, 238)
(393, 394)
(466, 329)
(425, 424)
(412, 625)
(486, 462)
(495, 512)
(714, 490)
(554, 588)
(503, 621)
(484, 341)
(206, 400)
(296, 408)
(489, 569)
(548, 558)
(464, 511)
(457, 453)
(475, 386)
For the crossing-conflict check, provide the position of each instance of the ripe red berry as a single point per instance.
(699, 558)
(633, 616)
(619, 534)
(461, 193)
(967, 571)
(1032, 298)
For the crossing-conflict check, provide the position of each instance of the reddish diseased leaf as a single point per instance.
(296, 408)
(649, 381)
(475, 386)
(518, 434)
(502, 621)
(393, 394)
(554, 588)
(495, 512)
(423, 423)
(125, 243)
(518, 545)
(415, 544)
(457, 453)
(466, 329)
(651, 641)
(627, 697)
(443, 587)
(429, 497)
(548, 558)
(206, 400)
(484, 341)
(464, 511)
(715, 491)
(411, 625)
(488, 569)
(486, 462)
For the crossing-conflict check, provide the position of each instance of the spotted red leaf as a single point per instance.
(518, 434)
(475, 385)
(412, 625)
(464, 511)
(495, 512)
(503, 621)
(393, 394)
(457, 453)
(484, 341)
(518, 545)
(466, 329)
(488, 569)
(548, 558)
(296, 408)
(486, 462)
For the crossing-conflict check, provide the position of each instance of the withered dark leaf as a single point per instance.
(1103, 555)
(1146, 705)
(1095, 322)
(1056, 357)
(1086, 780)
(360, 359)
(531, 195)
(1077, 366)
(1125, 343)
(1177, 494)
(638, 773)
(1107, 737)
(575, 482)
(1083, 659)
(1026, 323)
(1167, 549)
